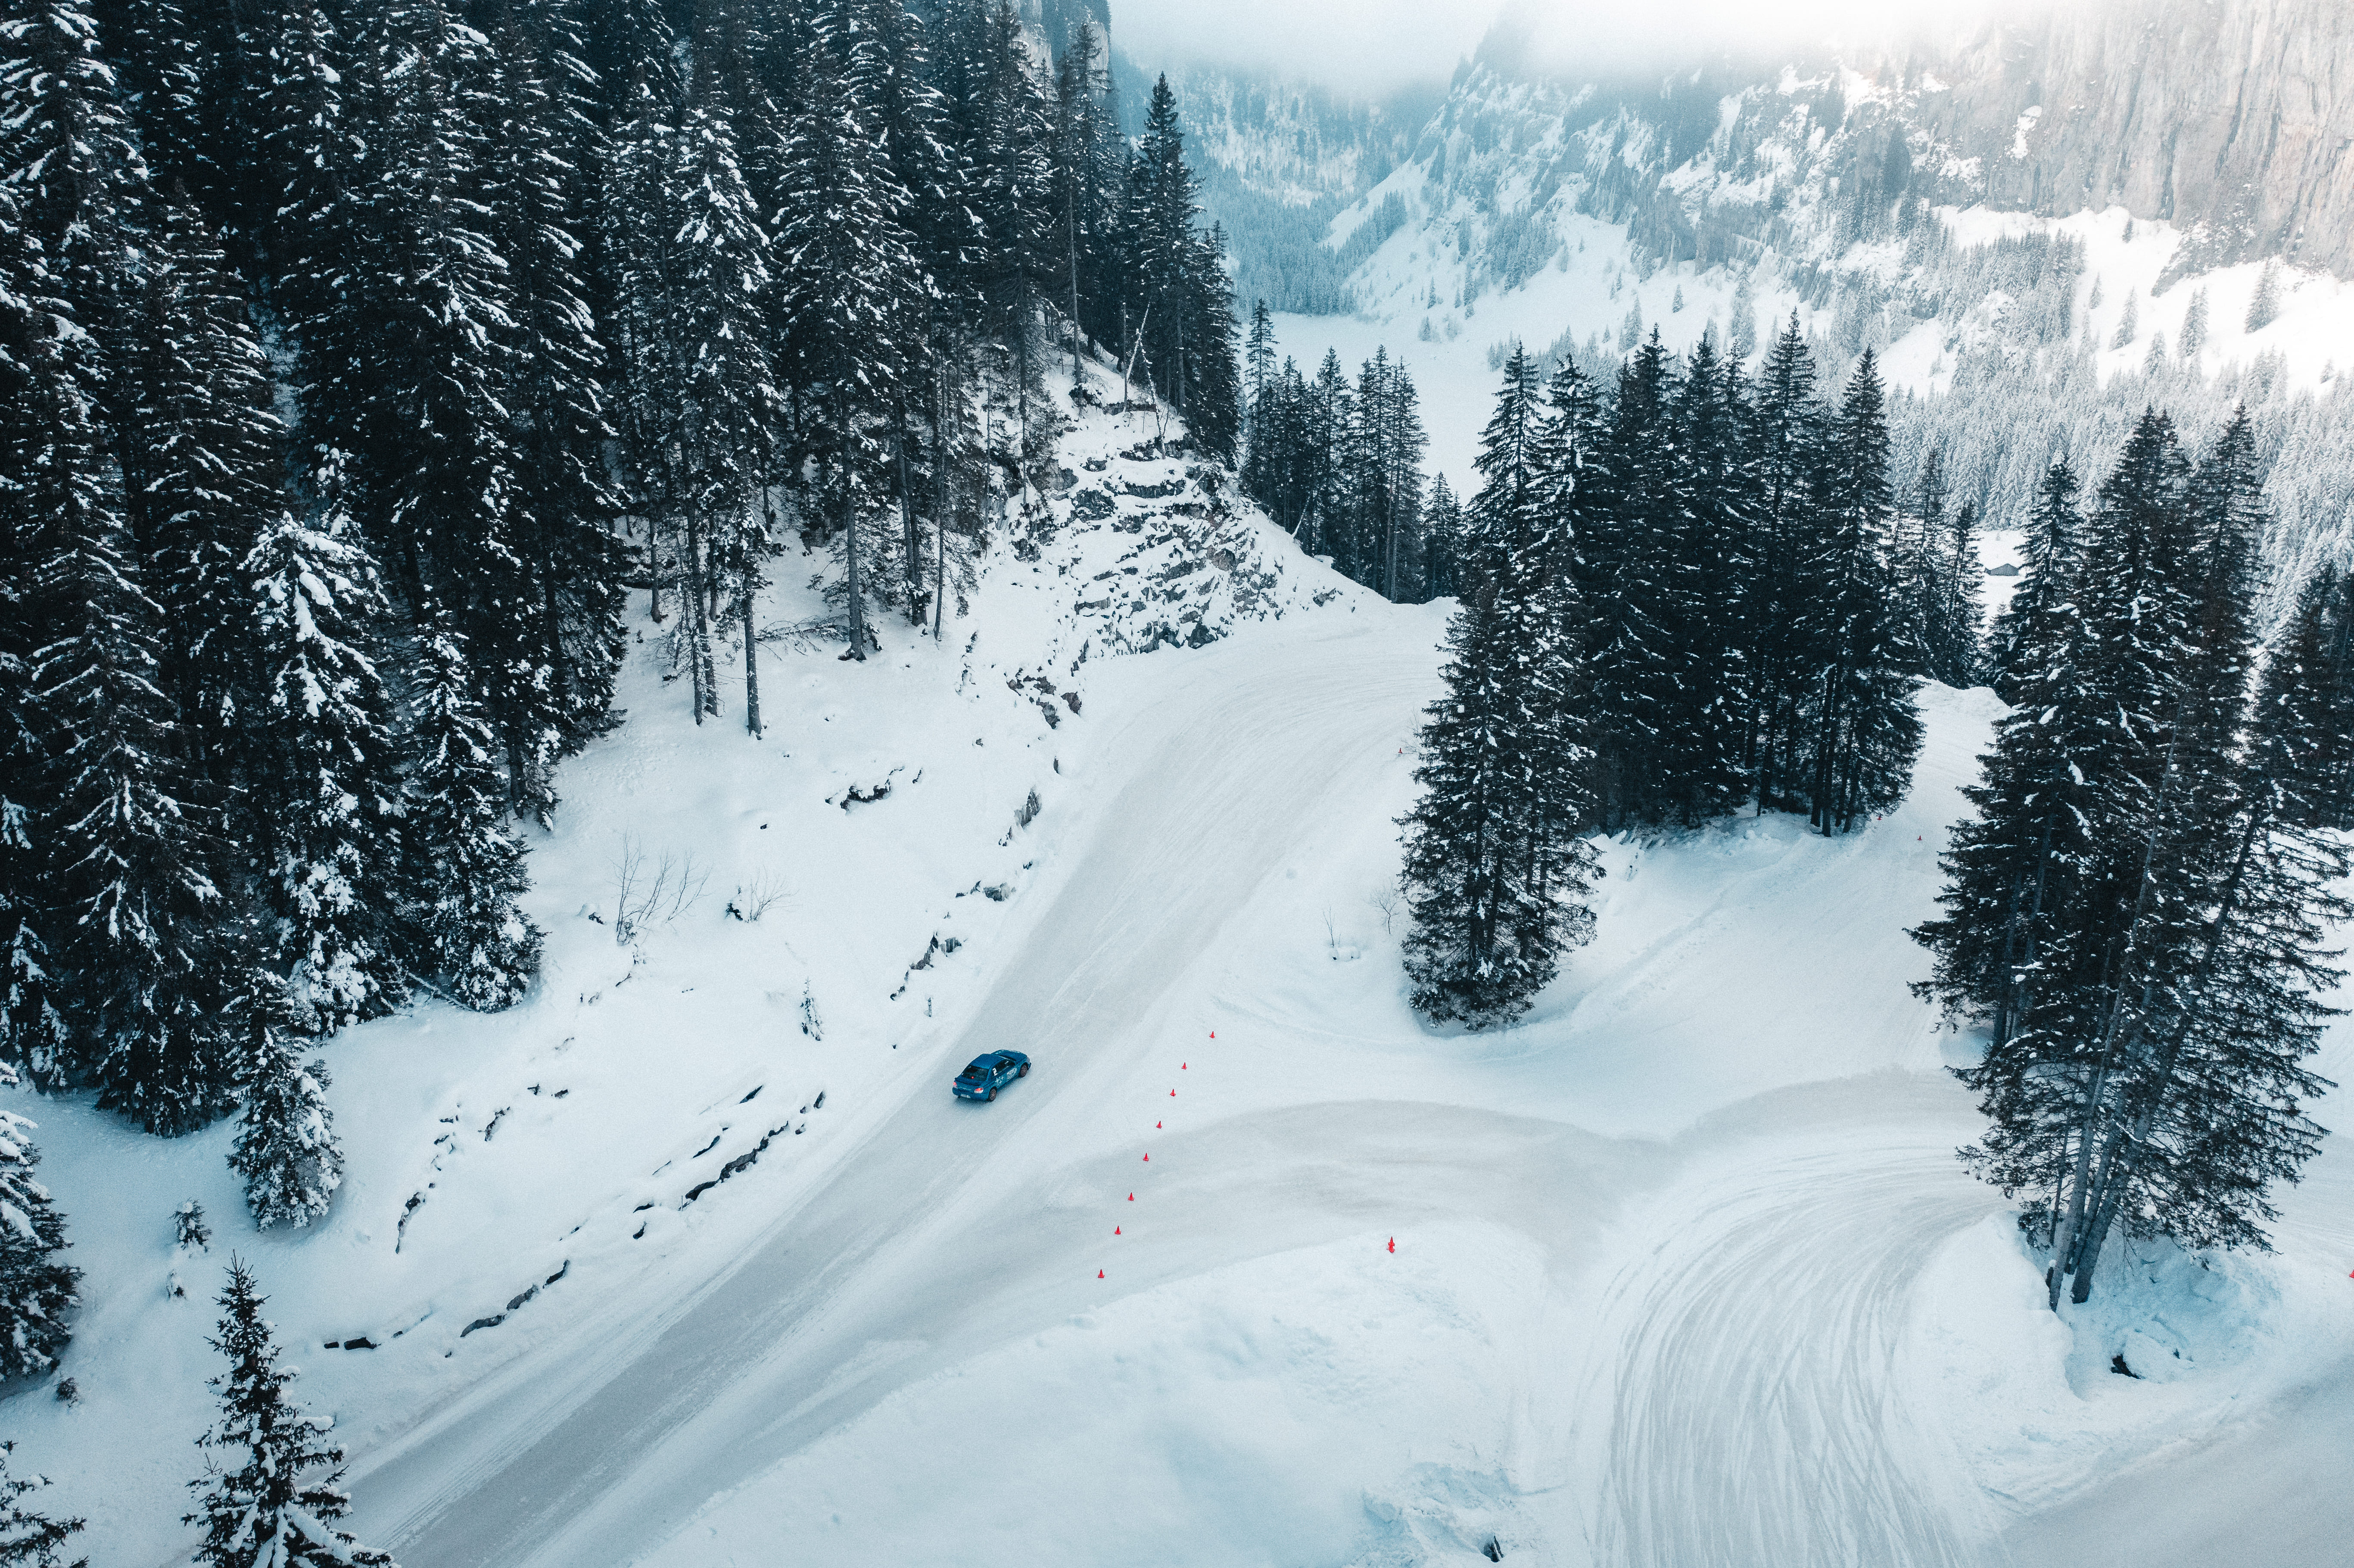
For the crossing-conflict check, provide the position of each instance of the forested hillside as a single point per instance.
(358, 361)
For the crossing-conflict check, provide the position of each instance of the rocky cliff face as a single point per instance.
(2233, 119)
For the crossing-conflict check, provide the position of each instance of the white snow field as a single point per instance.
(1685, 1270)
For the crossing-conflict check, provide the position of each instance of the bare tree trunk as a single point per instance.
(849, 531)
(751, 648)
(911, 539)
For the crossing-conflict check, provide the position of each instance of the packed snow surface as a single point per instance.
(692, 1259)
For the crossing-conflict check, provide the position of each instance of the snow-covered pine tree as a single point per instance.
(1635, 593)
(848, 289)
(1865, 726)
(2224, 970)
(322, 777)
(125, 882)
(1786, 578)
(635, 255)
(300, 223)
(465, 869)
(1495, 876)
(286, 1149)
(214, 479)
(538, 191)
(1957, 656)
(1086, 154)
(1916, 565)
(66, 152)
(1715, 524)
(1214, 399)
(36, 1285)
(2026, 635)
(2305, 706)
(416, 375)
(273, 1501)
(1442, 542)
(35, 380)
(2264, 305)
(27, 1536)
(2070, 895)
(726, 402)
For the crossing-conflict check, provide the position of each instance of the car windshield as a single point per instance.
(979, 1069)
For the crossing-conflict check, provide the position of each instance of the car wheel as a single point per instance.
(992, 1094)
(1024, 1071)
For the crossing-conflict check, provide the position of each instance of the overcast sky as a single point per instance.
(1371, 44)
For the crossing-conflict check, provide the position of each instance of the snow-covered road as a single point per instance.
(951, 1226)
(1690, 1275)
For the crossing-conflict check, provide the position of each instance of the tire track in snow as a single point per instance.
(1756, 1416)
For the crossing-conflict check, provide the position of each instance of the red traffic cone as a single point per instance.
(1394, 1244)
(1098, 1274)
(1172, 1094)
(1156, 1125)
(1131, 1197)
(1148, 1159)
(1115, 1230)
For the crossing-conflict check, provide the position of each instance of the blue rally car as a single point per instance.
(985, 1076)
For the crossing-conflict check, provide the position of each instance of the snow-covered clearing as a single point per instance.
(1685, 1270)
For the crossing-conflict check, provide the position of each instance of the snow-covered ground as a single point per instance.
(1685, 1270)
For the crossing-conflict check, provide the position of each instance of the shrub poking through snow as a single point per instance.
(28, 1536)
(36, 1287)
(273, 1499)
(286, 1147)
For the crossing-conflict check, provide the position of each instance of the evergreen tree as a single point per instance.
(2026, 635)
(36, 1285)
(539, 195)
(124, 878)
(1865, 727)
(36, 393)
(465, 870)
(323, 781)
(66, 152)
(286, 1147)
(1641, 597)
(1442, 542)
(2304, 707)
(724, 401)
(1958, 654)
(1783, 616)
(847, 284)
(27, 1535)
(275, 1501)
(1495, 876)
(215, 479)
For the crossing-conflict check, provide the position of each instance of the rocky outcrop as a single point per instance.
(2231, 118)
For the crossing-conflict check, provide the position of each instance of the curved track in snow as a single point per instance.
(1756, 1415)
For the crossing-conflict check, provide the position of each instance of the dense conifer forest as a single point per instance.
(357, 361)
